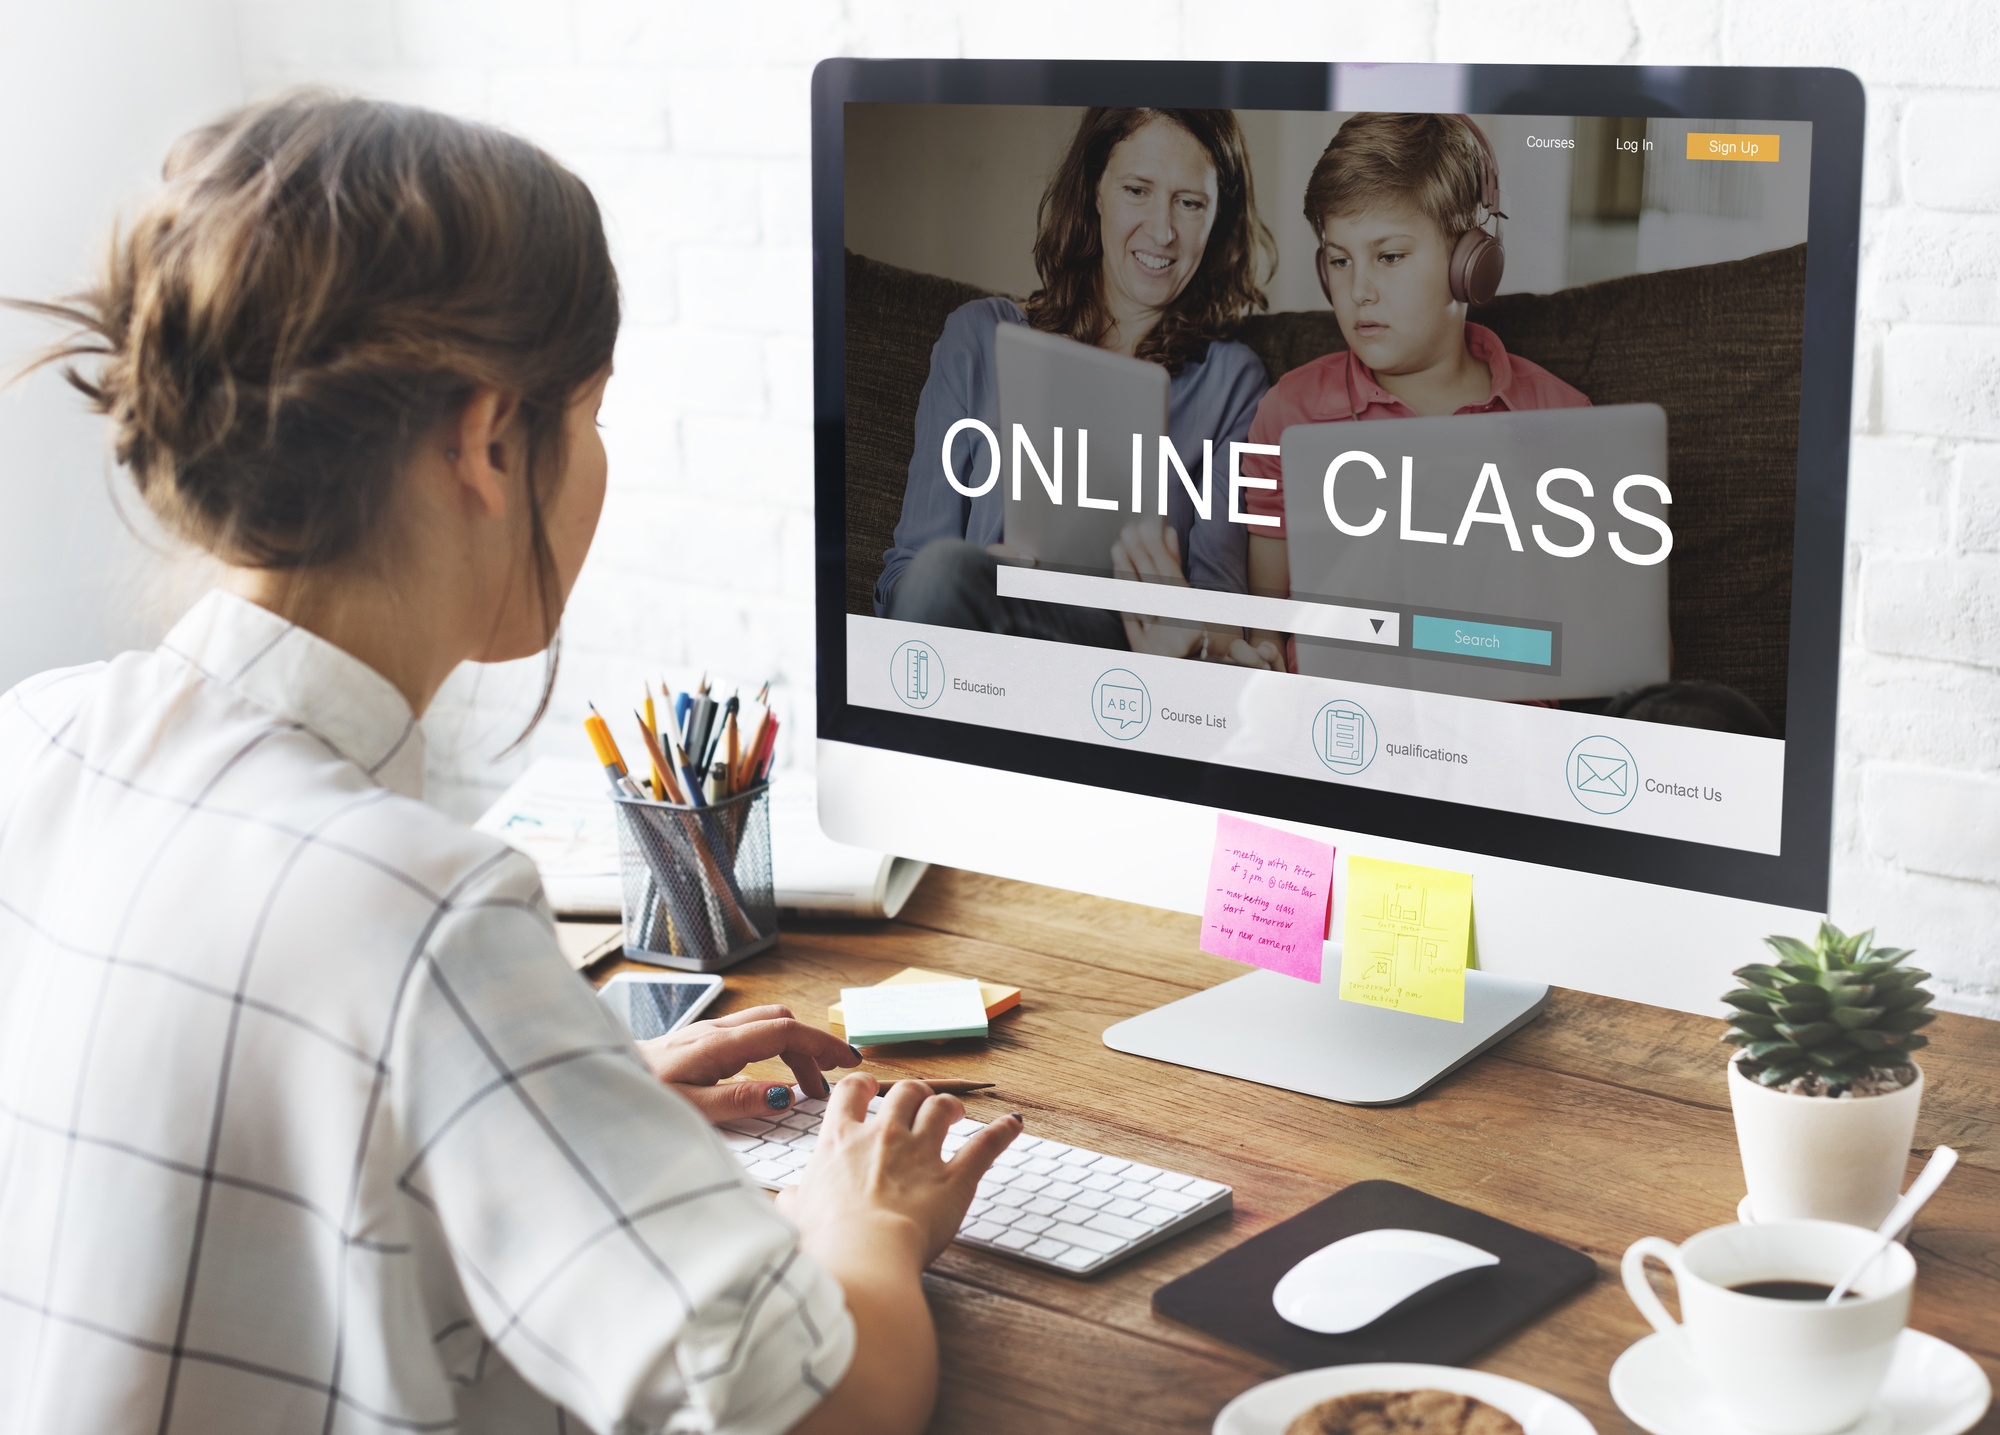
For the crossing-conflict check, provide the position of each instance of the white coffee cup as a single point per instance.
(1783, 1366)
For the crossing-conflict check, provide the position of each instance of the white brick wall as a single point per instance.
(690, 120)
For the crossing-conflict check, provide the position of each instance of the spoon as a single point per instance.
(1900, 1215)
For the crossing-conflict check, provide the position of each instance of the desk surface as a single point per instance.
(1601, 1122)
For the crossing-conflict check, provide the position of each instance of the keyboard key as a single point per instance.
(978, 1208)
(1003, 1215)
(811, 1105)
(965, 1127)
(1014, 1240)
(1155, 1216)
(1077, 1258)
(1030, 1184)
(1174, 1201)
(1136, 1172)
(1133, 1190)
(799, 1121)
(1083, 1236)
(999, 1176)
(1114, 1226)
(1035, 1224)
(1203, 1190)
(750, 1126)
(1012, 1198)
(1012, 1156)
(1170, 1181)
(980, 1231)
(1047, 1250)
(1041, 1166)
(1094, 1200)
(1123, 1206)
(1098, 1181)
(1074, 1214)
(793, 1160)
(952, 1145)
(1074, 1157)
(769, 1171)
(790, 1178)
(741, 1144)
(1109, 1165)
(1042, 1146)
(1062, 1190)
(1042, 1206)
(1025, 1142)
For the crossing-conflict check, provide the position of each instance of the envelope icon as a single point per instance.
(1608, 775)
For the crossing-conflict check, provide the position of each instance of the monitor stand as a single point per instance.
(1279, 1031)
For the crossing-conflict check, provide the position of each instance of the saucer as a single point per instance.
(1268, 1408)
(1931, 1389)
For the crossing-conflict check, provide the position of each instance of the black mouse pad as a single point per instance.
(1230, 1297)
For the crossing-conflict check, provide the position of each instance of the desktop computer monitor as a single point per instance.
(1102, 550)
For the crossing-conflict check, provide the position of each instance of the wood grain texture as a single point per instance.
(1601, 1122)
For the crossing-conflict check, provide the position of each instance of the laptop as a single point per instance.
(1046, 383)
(1479, 619)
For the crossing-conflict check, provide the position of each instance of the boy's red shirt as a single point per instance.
(1338, 387)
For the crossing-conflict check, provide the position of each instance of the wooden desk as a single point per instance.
(1602, 1122)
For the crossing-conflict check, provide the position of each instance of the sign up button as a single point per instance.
(1497, 642)
(1753, 149)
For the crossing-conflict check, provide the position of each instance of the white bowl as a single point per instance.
(1268, 1408)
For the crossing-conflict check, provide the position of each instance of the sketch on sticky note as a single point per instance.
(1406, 937)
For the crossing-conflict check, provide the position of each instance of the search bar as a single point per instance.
(1381, 626)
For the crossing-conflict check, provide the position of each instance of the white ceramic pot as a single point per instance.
(1816, 1158)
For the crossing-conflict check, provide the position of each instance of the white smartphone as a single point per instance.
(653, 1004)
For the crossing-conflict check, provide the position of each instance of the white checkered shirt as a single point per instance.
(304, 1123)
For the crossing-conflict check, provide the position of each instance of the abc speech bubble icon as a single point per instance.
(1121, 704)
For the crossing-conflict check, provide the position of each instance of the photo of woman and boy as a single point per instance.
(1148, 241)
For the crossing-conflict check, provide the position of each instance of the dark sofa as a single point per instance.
(1716, 346)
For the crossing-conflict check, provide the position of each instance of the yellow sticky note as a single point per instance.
(1404, 937)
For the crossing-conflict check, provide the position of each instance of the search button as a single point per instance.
(1497, 642)
(1752, 149)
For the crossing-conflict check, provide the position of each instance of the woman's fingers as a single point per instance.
(848, 1106)
(934, 1119)
(729, 1049)
(903, 1102)
(1245, 656)
(811, 1080)
(773, 1012)
(984, 1146)
(737, 1100)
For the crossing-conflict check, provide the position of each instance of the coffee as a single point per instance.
(1789, 1290)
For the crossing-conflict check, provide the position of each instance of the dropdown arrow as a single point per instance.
(1376, 623)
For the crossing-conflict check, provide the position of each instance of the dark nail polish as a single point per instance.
(856, 1052)
(1017, 1116)
(778, 1097)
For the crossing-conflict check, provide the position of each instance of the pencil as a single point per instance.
(942, 1088)
(731, 746)
(747, 774)
(663, 781)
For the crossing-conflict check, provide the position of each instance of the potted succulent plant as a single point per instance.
(1823, 1088)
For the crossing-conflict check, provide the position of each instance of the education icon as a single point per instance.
(1602, 774)
(1121, 704)
(1344, 737)
(916, 674)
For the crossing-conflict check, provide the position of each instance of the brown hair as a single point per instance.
(1069, 242)
(320, 282)
(1430, 162)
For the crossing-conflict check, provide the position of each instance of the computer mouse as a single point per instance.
(1361, 1278)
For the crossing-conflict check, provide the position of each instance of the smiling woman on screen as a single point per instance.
(304, 1122)
(1148, 244)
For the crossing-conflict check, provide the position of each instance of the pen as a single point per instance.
(717, 728)
(606, 748)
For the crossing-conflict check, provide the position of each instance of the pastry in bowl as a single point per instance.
(1403, 1412)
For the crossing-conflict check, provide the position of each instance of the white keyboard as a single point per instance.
(1052, 1205)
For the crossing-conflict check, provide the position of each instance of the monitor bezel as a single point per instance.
(1829, 99)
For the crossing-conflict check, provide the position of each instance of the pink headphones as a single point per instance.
(1479, 258)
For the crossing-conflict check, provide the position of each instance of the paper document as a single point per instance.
(997, 997)
(1270, 895)
(926, 1011)
(1405, 937)
(559, 813)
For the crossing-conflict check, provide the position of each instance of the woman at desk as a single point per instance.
(1148, 244)
(304, 1122)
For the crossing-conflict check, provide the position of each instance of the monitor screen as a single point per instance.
(1406, 470)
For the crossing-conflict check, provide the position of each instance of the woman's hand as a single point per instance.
(1150, 552)
(699, 1060)
(874, 1206)
(1256, 650)
(884, 1178)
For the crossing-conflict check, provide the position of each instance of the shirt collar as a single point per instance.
(303, 678)
(1480, 342)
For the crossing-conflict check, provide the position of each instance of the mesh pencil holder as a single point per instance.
(697, 887)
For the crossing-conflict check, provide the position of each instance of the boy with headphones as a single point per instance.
(1401, 205)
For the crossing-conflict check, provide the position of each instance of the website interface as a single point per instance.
(1443, 455)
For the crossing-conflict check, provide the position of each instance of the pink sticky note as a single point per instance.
(1270, 897)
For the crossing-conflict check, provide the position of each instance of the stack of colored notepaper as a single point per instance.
(924, 1011)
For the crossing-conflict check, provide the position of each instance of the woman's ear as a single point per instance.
(483, 450)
